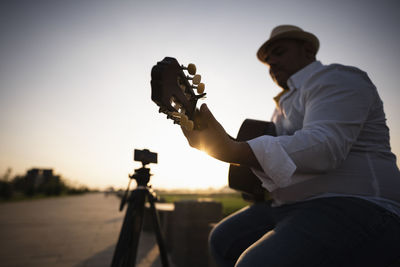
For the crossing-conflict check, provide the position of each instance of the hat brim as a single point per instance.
(297, 35)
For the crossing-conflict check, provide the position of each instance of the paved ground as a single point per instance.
(72, 231)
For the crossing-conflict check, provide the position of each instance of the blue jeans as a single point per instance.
(335, 231)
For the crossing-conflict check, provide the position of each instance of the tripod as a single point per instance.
(126, 250)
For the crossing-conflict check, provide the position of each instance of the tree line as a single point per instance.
(35, 182)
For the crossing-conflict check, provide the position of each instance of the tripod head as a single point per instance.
(142, 175)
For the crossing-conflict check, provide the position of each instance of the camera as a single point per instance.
(145, 156)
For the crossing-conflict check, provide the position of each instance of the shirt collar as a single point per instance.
(297, 79)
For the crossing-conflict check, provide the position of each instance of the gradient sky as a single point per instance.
(75, 77)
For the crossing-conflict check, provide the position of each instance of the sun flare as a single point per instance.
(191, 169)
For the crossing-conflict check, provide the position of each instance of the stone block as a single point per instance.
(190, 229)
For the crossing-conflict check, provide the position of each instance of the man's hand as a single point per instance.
(217, 143)
(212, 139)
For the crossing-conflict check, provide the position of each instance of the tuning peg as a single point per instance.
(163, 110)
(195, 79)
(186, 123)
(191, 68)
(174, 114)
(200, 88)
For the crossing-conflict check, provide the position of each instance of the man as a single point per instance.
(330, 172)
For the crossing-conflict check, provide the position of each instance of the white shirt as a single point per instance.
(332, 139)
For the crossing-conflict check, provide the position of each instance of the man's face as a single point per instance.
(284, 58)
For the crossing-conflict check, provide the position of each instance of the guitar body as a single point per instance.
(241, 178)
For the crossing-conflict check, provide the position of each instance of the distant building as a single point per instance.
(36, 177)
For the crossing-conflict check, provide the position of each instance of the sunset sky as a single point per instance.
(75, 77)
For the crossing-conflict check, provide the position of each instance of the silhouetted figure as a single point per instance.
(330, 171)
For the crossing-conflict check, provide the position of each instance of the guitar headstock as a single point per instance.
(172, 89)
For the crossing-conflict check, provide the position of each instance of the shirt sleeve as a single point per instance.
(277, 165)
(336, 106)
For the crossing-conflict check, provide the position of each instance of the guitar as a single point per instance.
(241, 178)
(173, 89)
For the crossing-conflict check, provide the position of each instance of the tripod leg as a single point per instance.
(156, 225)
(126, 249)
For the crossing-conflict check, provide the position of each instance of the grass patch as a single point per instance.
(231, 202)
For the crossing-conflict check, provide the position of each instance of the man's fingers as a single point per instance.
(191, 136)
(185, 132)
(207, 115)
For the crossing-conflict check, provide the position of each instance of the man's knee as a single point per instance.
(215, 238)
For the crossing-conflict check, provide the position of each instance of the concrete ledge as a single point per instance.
(185, 226)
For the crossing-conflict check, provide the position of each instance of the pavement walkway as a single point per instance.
(76, 231)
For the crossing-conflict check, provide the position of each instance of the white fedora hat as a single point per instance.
(287, 32)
